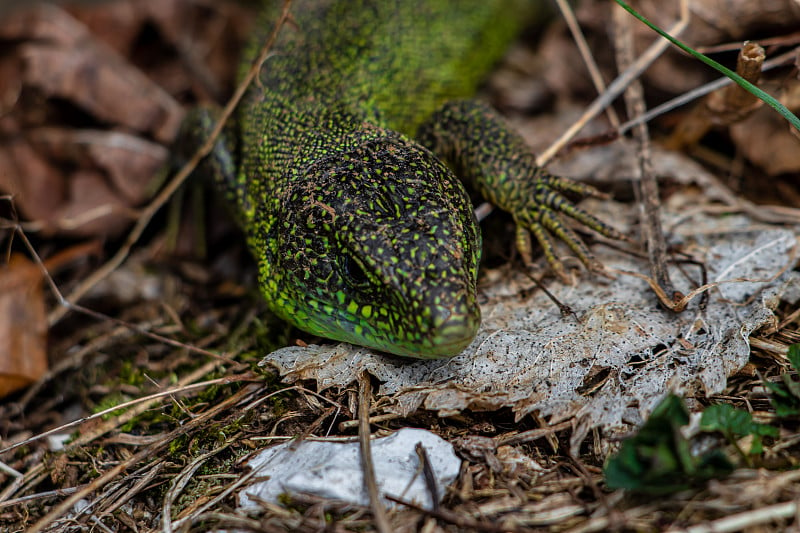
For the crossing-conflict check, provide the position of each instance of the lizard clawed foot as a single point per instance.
(542, 216)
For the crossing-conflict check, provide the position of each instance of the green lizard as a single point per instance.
(341, 166)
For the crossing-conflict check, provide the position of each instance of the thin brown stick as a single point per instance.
(45, 268)
(679, 304)
(179, 482)
(73, 361)
(689, 96)
(735, 99)
(367, 467)
(770, 346)
(459, 520)
(58, 493)
(588, 59)
(746, 520)
(246, 478)
(32, 478)
(147, 476)
(312, 427)
(377, 419)
(428, 474)
(724, 107)
(646, 187)
(604, 523)
(532, 434)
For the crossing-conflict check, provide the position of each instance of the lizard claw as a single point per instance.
(542, 216)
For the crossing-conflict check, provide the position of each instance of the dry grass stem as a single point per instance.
(645, 186)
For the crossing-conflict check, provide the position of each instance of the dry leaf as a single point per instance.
(86, 119)
(23, 325)
(767, 140)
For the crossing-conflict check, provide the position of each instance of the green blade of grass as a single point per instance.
(771, 101)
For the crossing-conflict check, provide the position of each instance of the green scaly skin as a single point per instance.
(363, 234)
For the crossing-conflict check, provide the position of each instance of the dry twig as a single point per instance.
(367, 467)
(646, 186)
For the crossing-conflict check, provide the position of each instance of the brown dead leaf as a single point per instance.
(77, 181)
(767, 141)
(23, 325)
(23, 319)
(83, 203)
(82, 70)
(86, 117)
(127, 160)
(37, 186)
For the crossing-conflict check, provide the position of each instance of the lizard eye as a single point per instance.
(354, 271)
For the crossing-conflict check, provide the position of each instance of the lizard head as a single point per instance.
(378, 247)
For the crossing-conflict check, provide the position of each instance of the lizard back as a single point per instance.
(395, 61)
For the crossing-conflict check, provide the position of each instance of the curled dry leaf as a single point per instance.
(72, 180)
(86, 119)
(767, 140)
(23, 325)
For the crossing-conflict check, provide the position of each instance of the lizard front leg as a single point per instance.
(493, 159)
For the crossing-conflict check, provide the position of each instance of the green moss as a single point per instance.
(109, 402)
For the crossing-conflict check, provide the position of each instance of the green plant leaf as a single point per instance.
(734, 424)
(785, 396)
(794, 356)
(658, 459)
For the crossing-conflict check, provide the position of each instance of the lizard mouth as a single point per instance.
(452, 331)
